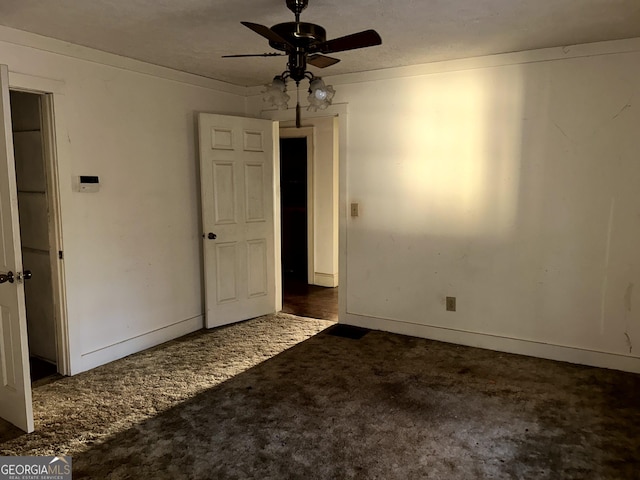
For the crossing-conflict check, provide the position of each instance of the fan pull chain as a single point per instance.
(297, 104)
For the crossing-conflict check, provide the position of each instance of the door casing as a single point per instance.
(340, 111)
(54, 150)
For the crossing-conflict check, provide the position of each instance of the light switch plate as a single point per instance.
(355, 209)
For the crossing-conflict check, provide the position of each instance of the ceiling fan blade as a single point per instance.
(266, 32)
(367, 38)
(273, 54)
(321, 61)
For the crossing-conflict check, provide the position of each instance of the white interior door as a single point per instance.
(236, 169)
(15, 380)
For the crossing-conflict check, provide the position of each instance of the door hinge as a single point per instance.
(60, 255)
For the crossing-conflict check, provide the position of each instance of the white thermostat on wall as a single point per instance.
(89, 183)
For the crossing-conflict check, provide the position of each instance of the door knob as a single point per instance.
(6, 277)
(26, 275)
(212, 236)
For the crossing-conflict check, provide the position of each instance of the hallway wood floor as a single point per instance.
(312, 301)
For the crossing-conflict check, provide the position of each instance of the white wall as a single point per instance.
(513, 187)
(133, 250)
(510, 184)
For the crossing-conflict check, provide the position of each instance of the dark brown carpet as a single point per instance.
(381, 407)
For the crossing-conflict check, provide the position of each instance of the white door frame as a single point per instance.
(308, 133)
(54, 149)
(335, 110)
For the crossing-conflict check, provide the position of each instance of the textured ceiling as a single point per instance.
(191, 35)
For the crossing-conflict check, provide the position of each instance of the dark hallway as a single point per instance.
(299, 297)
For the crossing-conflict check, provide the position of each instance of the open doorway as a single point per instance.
(301, 296)
(39, 252)
(294, 208)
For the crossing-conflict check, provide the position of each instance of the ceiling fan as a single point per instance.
(306, 43)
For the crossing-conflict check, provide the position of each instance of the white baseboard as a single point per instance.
(137, 344)
(501, 344)
(325, 279)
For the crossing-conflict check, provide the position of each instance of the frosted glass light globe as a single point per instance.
(320, 95)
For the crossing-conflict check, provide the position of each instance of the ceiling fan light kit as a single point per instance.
(305, 43)
(320, 95)
(275, 93)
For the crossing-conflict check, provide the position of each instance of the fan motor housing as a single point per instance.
(300, 35)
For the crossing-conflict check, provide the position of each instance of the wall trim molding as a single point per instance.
(109, 353)
(325, 279)
(497, 343)
(60, 47)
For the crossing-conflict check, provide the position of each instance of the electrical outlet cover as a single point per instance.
(451, 304)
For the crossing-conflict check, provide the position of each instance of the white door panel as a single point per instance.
(15, 380)
(236, 169)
